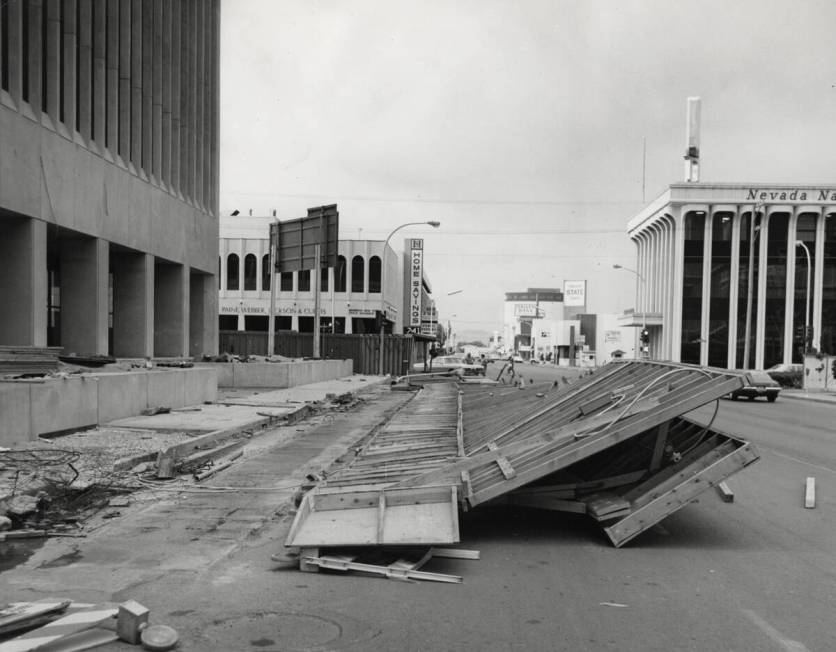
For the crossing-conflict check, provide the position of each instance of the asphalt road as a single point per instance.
(756, 574)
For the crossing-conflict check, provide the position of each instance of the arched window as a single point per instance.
(232, 282)
(358, 270)
(266, 273)
(250, 271)
(374, 274)
(339, 274)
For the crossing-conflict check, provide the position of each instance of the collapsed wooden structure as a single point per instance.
(615, 445)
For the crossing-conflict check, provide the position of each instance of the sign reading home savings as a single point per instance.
(574, 293)
(416, 273)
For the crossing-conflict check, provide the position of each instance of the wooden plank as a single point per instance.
(659, 447)
(454, 553)
(502, 462)
(336, 563)
(459, 426)
(726, 494)
(21, 615)
(639, 423)
(468, 488)
(605, 506)
(595, 404)
(702, 478)
(565, 433)
(552, 502)
(381, 516)
(810, 494)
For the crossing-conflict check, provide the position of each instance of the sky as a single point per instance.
(532, 130)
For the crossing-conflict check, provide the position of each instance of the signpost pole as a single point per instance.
(271, 312)
(317, 296)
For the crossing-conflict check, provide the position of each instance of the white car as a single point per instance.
(450, 363)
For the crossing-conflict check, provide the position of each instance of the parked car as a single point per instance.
(757, 383)
(518, 358)
(451, 363)
(786, 375)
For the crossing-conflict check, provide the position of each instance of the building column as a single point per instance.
(133, 305)
(789, 286)
(678, 270)
(705, 312)
(171, 310)
(760, 311)
(818, 274)
(84, 264)
(203, 314)
(734, 296)
(23, 282)
(14, 31)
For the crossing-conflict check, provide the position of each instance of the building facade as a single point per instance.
(736, 275)
(109, 175)
(367, 283)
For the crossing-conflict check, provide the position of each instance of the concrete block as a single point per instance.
(15, 426)
(63, 404)
(122, 395)
(166, 388)
(200, 385)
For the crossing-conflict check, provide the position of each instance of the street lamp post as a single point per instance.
(433, 224)
(799, 243)
(644, 312)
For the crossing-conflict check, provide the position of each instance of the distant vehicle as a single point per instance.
(787, 375)
(518, 358)
(451, 363)
(758, 384)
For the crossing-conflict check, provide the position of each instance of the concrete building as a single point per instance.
(109, 176)
(723, 269)
(353, 295)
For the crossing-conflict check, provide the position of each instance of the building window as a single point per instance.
(250, 271)
(323, 279)
(266, 273)
(305, 281)
(340, 274)
(219, 272)
(374, 274)
(694, 234)
(828, 303)
(358, 271)
(776, 288)
(232, 282)
(286, 282)
(747, 290)
(718, 316)
(805, 230)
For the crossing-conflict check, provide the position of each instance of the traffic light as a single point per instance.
(645, 336)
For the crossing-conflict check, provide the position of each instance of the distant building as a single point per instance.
(722, 273)
(109, 176)
(354, 296)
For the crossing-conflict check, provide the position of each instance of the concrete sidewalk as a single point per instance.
(819, 396)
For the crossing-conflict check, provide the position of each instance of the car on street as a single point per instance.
(757, 384)
(518, 358)
(451, 363)
(786, 375)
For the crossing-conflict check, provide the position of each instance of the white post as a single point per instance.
(271, 311)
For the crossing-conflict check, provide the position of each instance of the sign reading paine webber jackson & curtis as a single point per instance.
(416, 273)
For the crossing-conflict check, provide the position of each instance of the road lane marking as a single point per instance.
(776, 636)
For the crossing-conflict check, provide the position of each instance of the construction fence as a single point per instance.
(400, 352)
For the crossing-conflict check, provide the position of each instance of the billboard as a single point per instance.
(416, 274)
(574, 293)
(296, 240)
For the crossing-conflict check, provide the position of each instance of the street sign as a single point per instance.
(296, 240)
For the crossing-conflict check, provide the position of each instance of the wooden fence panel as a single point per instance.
(364, 350)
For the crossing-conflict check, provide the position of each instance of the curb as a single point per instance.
(810, 397)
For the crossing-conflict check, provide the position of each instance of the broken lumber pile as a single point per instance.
(614, 445)
(34, 360)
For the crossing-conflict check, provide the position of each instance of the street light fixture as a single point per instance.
(799, 243)
(433, 223)
(644, 313)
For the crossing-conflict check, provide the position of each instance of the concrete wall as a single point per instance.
(33, 408)
(279, 375)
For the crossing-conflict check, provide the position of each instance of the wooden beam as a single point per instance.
(381, 515)
(810, 494)
(504, 464)
(726, 494)
(659, 448)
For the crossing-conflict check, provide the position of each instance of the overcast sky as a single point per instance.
(519, 125)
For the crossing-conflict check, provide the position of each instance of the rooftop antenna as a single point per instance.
(692, 141)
